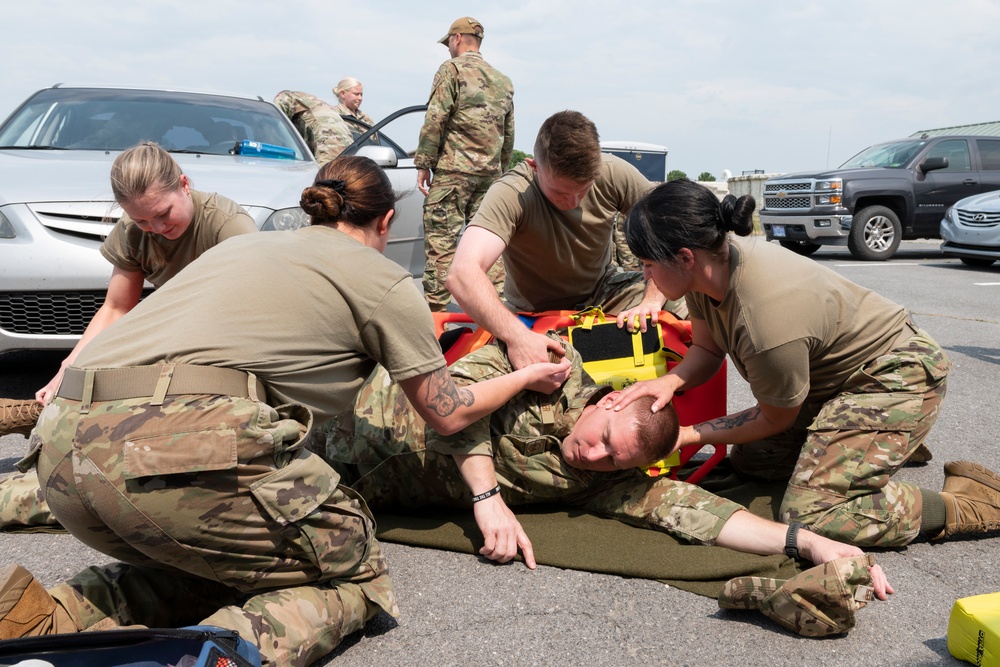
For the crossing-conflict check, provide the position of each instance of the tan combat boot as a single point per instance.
(18, 416)
(971, 497)
(920, 455)
(26, 608)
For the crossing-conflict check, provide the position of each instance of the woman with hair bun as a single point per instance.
(176, 442)
(847, 386)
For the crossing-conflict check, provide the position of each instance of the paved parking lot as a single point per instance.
(459, 610)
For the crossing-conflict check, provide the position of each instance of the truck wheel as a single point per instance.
(803, 248)
(875, 234)
(977, 261)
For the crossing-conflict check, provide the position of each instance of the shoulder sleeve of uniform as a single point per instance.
(501, 210)
(399, 334)
(440, 106)
(117, 247)
(780, 376)
(627, 181)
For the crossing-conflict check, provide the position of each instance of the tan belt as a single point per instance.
(156, 382)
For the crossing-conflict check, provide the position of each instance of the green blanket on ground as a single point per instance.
(578, 540)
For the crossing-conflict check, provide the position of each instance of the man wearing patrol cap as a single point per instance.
(466, 141)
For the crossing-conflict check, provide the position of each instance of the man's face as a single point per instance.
(564, 193)
(603, 440)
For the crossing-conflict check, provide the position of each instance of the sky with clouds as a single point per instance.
(724, 84)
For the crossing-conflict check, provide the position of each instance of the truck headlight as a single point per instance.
(828, 199)
(832, 184)
(285, 219)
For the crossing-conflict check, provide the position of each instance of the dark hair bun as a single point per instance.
(737, 214)
(321, 203)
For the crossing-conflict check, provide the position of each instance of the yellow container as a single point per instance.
(974, 630)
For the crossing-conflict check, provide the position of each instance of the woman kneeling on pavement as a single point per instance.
(165, 226)
(176, 440)
(848, 386)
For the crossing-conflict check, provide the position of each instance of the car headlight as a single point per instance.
(6, 229)
(285, 219)
(828, 199)
(949, 212)
(832, 184)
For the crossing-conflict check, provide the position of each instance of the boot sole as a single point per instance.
(973, 471)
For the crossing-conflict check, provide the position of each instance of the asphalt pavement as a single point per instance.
(458, 609)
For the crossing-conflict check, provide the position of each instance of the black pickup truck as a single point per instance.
(886, 193)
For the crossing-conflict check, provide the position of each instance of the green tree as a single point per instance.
(675, 174)
(706, 177)
(517, 157)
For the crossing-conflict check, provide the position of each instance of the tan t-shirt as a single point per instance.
(794, 329)
(310, 312)
(555, 259)
(157, 257)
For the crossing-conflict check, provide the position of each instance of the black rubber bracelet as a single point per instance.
(792, 540)
(486, 494)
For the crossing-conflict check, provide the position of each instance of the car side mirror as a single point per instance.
(932, 163)
(383, 156)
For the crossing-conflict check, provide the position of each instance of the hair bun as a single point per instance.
(736, 214)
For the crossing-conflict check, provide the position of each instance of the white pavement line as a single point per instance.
(874, 264)
(985, 284)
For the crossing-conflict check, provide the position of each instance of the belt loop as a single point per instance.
(163, 384)
(88, 391)
(252, 388)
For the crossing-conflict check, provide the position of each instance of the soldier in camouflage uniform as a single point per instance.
(350, 92)
(564, 449)
(847, 385)
(325, 132)
(466, 141)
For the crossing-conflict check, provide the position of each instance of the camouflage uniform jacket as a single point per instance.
(325, 132)
(469, 125)
(359, 114)
(523, 436)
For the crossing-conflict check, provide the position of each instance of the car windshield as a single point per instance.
(113, 120)
(894, 155)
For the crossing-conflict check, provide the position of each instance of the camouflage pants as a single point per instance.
(22, 504)
(840, 455)
(451, 202)
(211, 499)
(623, 254)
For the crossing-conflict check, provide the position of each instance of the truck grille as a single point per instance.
(978, 218)
(786, 202)
(804, 186)
(49, 313)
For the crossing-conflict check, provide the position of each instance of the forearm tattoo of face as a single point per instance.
(443, 396)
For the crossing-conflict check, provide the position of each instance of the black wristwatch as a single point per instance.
(792, 540)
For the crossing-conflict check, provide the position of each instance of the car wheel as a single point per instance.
(875, 234)
(977, 261)
(803, 248)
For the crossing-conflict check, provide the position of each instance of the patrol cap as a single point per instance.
(820, 601)
(464, 26)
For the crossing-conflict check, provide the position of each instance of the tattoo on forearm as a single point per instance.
(734, 421)
(443, 396)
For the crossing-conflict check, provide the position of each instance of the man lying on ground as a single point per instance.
(562, 448)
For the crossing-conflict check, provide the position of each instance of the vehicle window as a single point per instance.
(377, 139)
(86, 119)
(895, 155)
(989, 154)
(957, 152)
